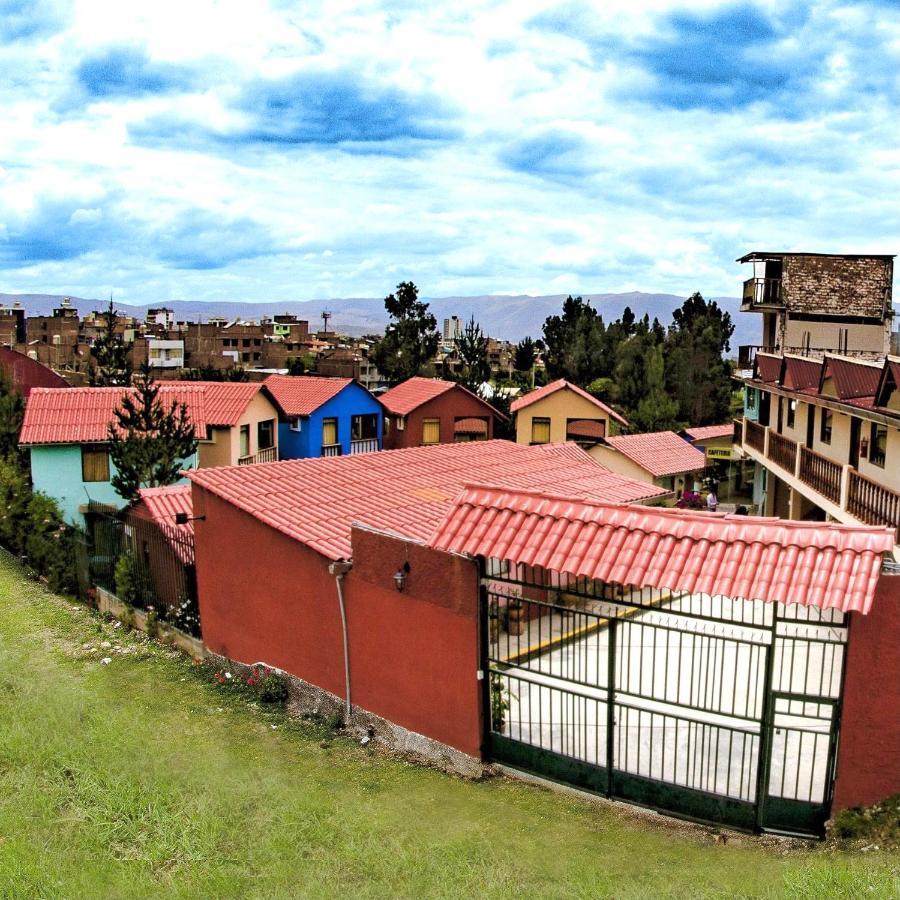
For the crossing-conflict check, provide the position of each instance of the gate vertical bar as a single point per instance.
(766, 722)
(610, 699)
(484, 656)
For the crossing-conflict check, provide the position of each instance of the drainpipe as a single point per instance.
(339, 569)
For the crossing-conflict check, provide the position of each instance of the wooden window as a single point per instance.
(329, 432)
(825, 426)
(431, 431)
(878, 445)
(297, 423)
(265, 434)
(245, 441)
(94, 464)
(540, 431)
(364, 428)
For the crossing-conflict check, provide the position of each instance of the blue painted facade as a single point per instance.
(56, 472)
(751, 403)
(353, 400)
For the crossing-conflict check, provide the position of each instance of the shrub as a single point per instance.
(129, 588)
(878, 824)
(185, 615)
(268, 685)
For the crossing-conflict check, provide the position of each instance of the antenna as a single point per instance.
(326, 315)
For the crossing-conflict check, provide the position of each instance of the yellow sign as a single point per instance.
(718, 453)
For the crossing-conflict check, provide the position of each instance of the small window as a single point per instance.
(265, 434)
(297, 424)
(791, 413)
(246, 342)
(387, 424)
(245, 441)
(825, 426)
(364, 428)
(751, 398)
(329, 432)
(878, 445)
(94, 464)
(431, 431)
(540, 431)
(401, 423)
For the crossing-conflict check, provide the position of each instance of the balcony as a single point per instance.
(761, 292)
(782, 451)
(821, 474)
(331, 450)
(756, 436)
(268, 454)
(873, 504)
(366, 445)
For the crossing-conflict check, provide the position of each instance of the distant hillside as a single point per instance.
(510, 318)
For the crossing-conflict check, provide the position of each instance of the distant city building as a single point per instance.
(452, 329)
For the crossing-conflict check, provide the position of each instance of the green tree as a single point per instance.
(655, 410)
(12, 411)
(523, 360)
(149, 442)
(111, 366)
(472, 352)
(576, 343)
(410, 340)
(698, 376)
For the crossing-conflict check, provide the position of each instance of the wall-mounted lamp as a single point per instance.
(182, 518)
(400, 576)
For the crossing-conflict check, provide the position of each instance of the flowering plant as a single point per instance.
(689, 500)
(268, 684)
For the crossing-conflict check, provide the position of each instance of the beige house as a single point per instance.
(662, 458)
(242, 424)
(560, 412)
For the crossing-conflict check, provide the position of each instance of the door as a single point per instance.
(765, 407)
(810, 425)
(855, 425)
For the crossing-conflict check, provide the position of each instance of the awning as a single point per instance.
(812, 563)
(587, 429)
(470, 426)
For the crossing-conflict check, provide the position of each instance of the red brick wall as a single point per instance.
(448, 407)
(868, 765)
(264, 597)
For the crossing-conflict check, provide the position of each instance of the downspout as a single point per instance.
(339, 569)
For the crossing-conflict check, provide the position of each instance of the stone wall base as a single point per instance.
(305, 699)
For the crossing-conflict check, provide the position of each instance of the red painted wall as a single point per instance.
(448, 407)
(868, 765)
(265, 597)
(26, 373)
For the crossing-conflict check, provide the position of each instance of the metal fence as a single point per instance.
(709, 708)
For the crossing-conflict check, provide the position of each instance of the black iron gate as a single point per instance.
(708, 708)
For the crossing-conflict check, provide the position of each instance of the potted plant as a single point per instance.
(515, 616)
(500, 697)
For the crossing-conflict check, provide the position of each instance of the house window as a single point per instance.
(364, 428)
(329, 432)
(246, 342)
(265, 434)
(94, 464)
(751, 398)
(540, 431)
(387, 424)
(245, 441)
(401, 423)
(825, 426)
(878, 445)
(431, 431)
(791, 413)
(297, 423)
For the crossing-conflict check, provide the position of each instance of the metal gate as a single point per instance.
(708, 708)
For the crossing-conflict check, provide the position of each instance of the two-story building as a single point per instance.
(325, 416)
(425, 411)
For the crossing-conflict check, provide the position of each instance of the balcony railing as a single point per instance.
(872, 503)
(762, 292)
(368, 445)
(331, 450)
(821, 474)
(738, 432)
(267, 454)
(756, 436)
(782, 451)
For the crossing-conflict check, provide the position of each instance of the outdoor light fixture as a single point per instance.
(182, 518)
(400, 576)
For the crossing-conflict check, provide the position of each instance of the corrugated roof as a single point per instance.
(162, 503)
(767, 367)
(300, 395)
(853, 379)
(801, 373)
(412, 393)
(558, 385)
(408, 491)
(889, 382)
(709, 432)
(225, 401)
(659, 452)
(772, 560)
(81, 415)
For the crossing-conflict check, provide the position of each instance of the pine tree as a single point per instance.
(471, 348)
(149, 442)
(12, 411)
(411, 338)
(110, 352)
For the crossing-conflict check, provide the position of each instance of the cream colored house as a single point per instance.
(662, 458)
(560, 412)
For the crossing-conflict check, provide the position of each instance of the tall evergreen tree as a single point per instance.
(149, 441)
(12, 411)
(576, 343)
(523, 360)
(411, 338)
(655, 409)
(471, 349)
(110, 366)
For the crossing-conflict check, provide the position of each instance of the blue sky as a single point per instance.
(264, 151)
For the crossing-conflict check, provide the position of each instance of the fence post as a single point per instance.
(765, 730)
(611, 632)
(845, 487)
(484, 657)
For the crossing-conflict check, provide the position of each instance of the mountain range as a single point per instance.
(506, 317)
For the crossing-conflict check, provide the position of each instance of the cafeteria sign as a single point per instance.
(718, 452)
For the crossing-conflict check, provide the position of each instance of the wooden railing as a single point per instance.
(738, 432)
(872, 503)
(267, 454)
(821, 474)
(782, 451)
(756, 436)
(331, 450)
(368, 445)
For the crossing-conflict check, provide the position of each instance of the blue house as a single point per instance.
(324, 416)
(66, 433)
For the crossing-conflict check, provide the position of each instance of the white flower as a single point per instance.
(106, 660)
(228, 674)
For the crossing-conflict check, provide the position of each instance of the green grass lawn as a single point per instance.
(145, 778)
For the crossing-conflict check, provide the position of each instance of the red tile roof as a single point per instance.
(801, 374)
(709, 432)
(768, 368)
(558, 385)
(772, 560)
(300, 395)
(82, 415)
(853, 379)
(586, 428)
(412, 393)
(659, 452)
(162, 503)
(408, 491)
(225, 401)
(470, 426)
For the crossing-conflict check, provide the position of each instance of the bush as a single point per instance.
(129, 584)
(185, 616)
(268, 685)
(878, 825)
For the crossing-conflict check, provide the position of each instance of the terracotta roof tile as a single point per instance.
(408, 491)
(659, 452)
(767, 368)
(225, 401)
(709, 432)
(162, 503)
(558, 385)
(412, 393)
(300, 395)
(82, 415)
(772, 560)
(853, 379)
(470, 426)
(801, 374)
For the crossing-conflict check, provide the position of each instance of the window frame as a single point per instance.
(361, 419)
(95, 451)
(327, 422)
(826, 425)
(430, 421)
(791, 416)
(542, 420)
(875, 431)
(244, 446)
(261, 427)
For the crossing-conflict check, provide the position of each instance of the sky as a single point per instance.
(200, 150)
